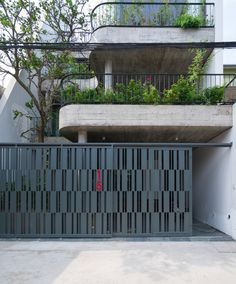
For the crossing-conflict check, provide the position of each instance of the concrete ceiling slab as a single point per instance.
(145, 60)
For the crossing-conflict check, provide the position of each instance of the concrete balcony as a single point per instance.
(152, 35)
(130, 22)
(140, 88)
(144, 123)
(133, 108)
(148, 24)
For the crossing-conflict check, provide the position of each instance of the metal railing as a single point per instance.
(124, 89)
(230, 81)
(130, 88)
(149, 14)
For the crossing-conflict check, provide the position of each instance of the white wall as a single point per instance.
(215, 63)
(225, 23)
(14, 98)
(214, 183)
(229, 33)
(214, 176)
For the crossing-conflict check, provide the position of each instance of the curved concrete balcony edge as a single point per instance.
(152, 35)
(210, 119)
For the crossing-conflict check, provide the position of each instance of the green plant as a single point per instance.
(185, 90)
(199, 99)
(132, 93)
(214, 95)
(68, 94)
(105, 17)
(133, 14)
(47, 21)
(197, 67)
(164, 15)
(151, 95)
(181, 92)
(187, 21)
(81, 68)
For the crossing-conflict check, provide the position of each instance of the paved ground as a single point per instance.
(101, 262)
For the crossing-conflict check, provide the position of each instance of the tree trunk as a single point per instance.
(41, 129)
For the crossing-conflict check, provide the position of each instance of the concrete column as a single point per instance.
(82, 136)
(108, 78)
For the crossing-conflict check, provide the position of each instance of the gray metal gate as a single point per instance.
(152, 191)
(95, 190)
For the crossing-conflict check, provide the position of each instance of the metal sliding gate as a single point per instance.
(95, 190)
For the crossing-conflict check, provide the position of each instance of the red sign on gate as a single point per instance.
(99, 181)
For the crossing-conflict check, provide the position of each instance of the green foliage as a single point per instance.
(160, 15)
(30, 104)
(184, 93)
(23, 21)
(214, 95)
(187, 21)
(197, 67)
(181, 92)
(185, 90)
(17, 113)
(151, 95)
(65, 17)
(133, 93)
(133, 14)
(164, 15)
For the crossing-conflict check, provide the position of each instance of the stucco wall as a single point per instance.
(214, 183)
(225, 22)
(14, 98)
(229, 34)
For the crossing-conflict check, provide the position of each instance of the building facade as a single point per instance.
(148, 158)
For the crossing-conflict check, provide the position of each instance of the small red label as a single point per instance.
(99, 181)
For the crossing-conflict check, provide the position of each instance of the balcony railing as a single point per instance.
(139, 14)
(142, 88)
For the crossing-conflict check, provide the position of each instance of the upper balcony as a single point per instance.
(115, 22)
(155, 107)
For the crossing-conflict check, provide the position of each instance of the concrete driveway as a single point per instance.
(101, 262)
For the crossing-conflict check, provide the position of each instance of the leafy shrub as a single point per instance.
(187, 21)
(164, 15)
(199, 99)
(151, 95)
(133, 15)
(133, 93)
(68, 94)
(87, 96)
(214, 95)
(181, 92)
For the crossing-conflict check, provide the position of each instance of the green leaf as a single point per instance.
(30, 104)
